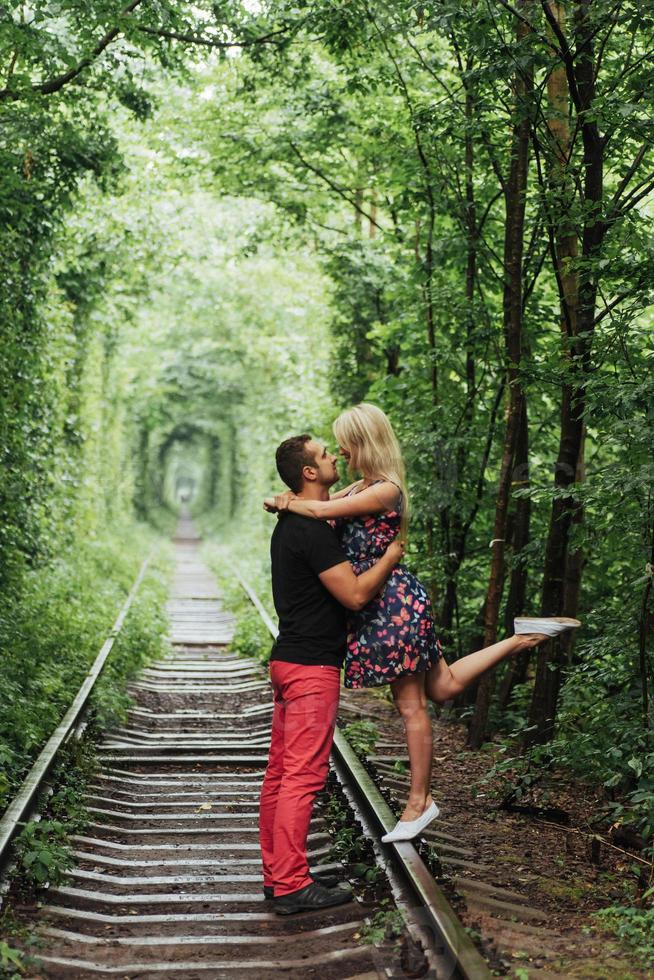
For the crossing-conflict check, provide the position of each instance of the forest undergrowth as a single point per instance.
(52, 633)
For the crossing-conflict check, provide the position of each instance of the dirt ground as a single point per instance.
(560, 872)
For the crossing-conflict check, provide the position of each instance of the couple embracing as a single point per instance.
(344, 597)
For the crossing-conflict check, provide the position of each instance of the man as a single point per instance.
(313, 585)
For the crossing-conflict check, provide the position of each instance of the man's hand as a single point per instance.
(278, 503)
(355, 591)
(396, 550)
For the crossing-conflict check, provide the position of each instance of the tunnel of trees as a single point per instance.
(223, 222)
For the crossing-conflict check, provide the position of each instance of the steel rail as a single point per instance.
(20, 808)
(453, 952)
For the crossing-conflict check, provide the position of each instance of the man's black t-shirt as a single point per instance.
(312, 627)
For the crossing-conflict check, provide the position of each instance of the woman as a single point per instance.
(393, 639)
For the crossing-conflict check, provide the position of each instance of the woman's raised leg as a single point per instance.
(445, 681)
(411, 702)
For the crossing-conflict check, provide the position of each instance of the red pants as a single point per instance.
(306, 702)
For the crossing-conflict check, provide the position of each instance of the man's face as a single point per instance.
(325, 463)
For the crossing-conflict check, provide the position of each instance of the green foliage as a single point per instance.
(141, 640)
(251, 637)
(75, 768)
(599, 738)
(42, 849)
(43, 855)
(365, 341)
(54, 631)
(634, 928)
(362, 736)
(368, 873)
(11, 960)
(348, 844)
(386, 925)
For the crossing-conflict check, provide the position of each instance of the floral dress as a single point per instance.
(394, 634)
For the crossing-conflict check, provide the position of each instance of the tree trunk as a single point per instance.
(358, 217)
(479, 720)
(515, 196)
(516, 669)
(372, 223)
(456, 550)
(455, 528)
(578, 296)
(575, 562)
(646, 621)
(515, 603)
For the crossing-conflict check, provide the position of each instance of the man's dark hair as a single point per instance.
(291, 458)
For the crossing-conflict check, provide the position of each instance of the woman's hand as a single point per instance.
(396, 549)
(279, 502)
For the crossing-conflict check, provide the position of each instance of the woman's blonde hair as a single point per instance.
(366, 433)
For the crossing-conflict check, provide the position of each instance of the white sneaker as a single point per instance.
(407, 829)
(547, 626)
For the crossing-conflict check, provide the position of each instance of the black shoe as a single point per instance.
(311, 898)
(320, 877)
(326, 879)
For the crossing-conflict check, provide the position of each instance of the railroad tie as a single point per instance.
(167, 877)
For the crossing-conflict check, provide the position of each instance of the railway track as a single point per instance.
(501, 912)
(167, 879)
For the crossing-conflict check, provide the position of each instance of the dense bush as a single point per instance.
(52, 633)
(635, 929)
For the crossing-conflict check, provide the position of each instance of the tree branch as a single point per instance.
(59, 81)
(622, 186)
(615, 302)
(330, 183)
(525, 20)
(550, 224)
(210, 42)
(481, 479)
(635, 196)
(487, 209)
(492, 156)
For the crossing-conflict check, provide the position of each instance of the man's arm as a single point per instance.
(355, 591)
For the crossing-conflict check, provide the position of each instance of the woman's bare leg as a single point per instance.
(411, 702)
(444, 681)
